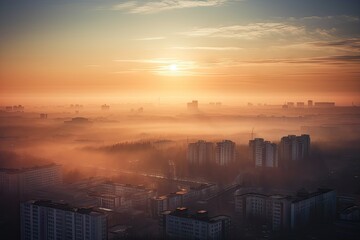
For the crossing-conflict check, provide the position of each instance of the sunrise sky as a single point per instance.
(246, 50)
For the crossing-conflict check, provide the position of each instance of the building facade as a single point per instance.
(180, 224)
(285, 212)
(45, 220)
(263, 153)
(225, 152)
(23, 181)
(294, 148)
(200, 153)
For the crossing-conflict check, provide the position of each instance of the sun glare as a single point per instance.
(173, 67)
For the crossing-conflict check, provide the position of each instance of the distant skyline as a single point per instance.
(267, 51)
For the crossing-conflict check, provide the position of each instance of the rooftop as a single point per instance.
(64, 207)
(21, 170)
(201, 215)
(302, 196)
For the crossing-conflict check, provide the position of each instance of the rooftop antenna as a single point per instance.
(252, 134)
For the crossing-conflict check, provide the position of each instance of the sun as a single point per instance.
(173, 67)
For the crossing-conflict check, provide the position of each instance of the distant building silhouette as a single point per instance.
(300, 104)
(310, 103)
(105, 107)
(324, 104)
(193, 106)
(78, 120)
(43, 115)
(171, 174)
(290, 104)
(16, 108)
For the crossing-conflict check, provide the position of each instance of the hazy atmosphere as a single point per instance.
(180, 119)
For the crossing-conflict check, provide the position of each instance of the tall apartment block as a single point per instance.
(180, 224)
(294, 148)
(45, 220)
(26, 180)
(200, 153)
(263, 153)
(225, 152)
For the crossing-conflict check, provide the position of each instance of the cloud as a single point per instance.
(250, 31)
(209, 48)
(161, 66)
(345, 18)
(342, 46)
(150, 38)
(124, 6)
(150, 60)
(336, 59)
(163, 5)
(352, 45)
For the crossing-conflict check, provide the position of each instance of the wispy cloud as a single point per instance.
(148, 7)
(209, 48)
(161, 66)
(124, 6)
(352, 45)
(151, 60)
(336, 59)
(250, 31)
(150, 38)
(346, 18)
(342, 46)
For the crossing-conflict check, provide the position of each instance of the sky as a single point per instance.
(268, 51)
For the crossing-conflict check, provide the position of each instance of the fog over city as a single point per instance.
(180, 119)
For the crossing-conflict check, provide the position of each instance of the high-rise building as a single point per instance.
(43, 115)
(263, 153)
(324, 104)
(171, 173)
(193, 106)
(225, 152)
(45, 220)
(200, 153)
(180, 224)
(311, 208)
(256, 147)
(105, 107)
(310, 103)
(294, 148)
(300, 104)
(286, 212)
(26, 180)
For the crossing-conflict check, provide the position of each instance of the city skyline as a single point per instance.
(233, 50)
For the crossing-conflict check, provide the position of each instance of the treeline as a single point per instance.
(129, 147)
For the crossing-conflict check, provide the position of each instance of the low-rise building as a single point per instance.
(180, 224)
(286, 212)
